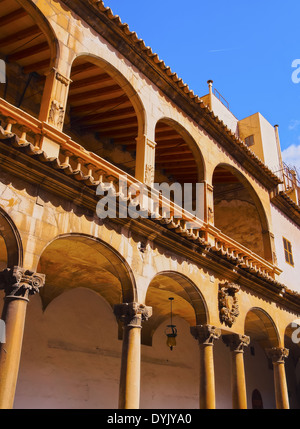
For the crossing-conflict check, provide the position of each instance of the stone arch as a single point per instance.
(105, 114)
(30, 48)
(79, 260)
(259, 326)
(189, 304)
(10, 242)
(234, 193)
(170, 135)
(46, 27)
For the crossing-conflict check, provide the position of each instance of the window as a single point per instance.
(288, 251)
(249, 140)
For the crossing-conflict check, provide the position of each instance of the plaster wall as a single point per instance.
(285, 227)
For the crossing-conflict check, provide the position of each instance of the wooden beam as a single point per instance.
(117, 113)
(92, 80)
(111, 125)
(20, 36)
(29, 52)
(92, 107)
(36, 67)
(12, 17)
(132, 132)
(100, 92)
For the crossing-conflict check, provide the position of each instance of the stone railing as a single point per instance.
(72, 159)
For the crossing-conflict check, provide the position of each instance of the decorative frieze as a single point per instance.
(18, 282)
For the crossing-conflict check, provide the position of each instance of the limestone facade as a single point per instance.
(85, 299)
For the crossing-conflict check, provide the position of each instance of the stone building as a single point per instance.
(86, 298)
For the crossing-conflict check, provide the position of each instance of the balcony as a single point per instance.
(23, 131)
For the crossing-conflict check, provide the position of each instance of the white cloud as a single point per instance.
(294, 124)
(291, 156)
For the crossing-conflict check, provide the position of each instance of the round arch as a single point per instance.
(172, 137)
(41, 20)
(189, 304)
(78, 260)
(260, 327)
(121, 80)
(11, 239)
(231, 185)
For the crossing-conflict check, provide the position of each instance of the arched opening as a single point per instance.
(170, 379)
(29, 49)
(257, 402)
(72, 350)
(77, 260)
(11, 250)
(292, 363)
(263, 334)
(104, 113)
(178, 160)
(238, 212)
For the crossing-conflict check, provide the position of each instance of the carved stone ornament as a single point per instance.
(236, 342)
(228, 303)
(205, 334)
(18, 282)
(277, 354)
(149, 174)
(56, 114)
(132, 314)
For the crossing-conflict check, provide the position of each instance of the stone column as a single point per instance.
(238, 383)
(206, 334)
(132, 315)
(278, 354)
(18, 284)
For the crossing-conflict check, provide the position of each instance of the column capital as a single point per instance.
(205, 334)
(19, 283)
(132, 314)
(236, 342)
(277, 354)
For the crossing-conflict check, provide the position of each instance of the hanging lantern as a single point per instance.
(171, 331)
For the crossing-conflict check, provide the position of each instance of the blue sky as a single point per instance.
(246, 47)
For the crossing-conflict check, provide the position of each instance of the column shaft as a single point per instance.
(207, 377)
(132, 316)
(238, 382)
(14, 313)
(278, 355)
(130, 369)
(18, 284)
(206, 335)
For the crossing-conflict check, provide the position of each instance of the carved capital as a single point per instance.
(228, 303)
(277, 354)
(19, 283)
(205, 334)
(236, 342)
(132, 314)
